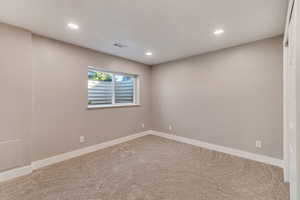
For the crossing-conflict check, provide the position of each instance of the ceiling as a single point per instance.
(170, 29)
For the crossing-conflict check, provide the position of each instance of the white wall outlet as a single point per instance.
(170, 128)
(258, 144)
(81, 139)
(291, 125)
(143, 125)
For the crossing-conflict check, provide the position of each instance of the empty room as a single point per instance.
(149, 100)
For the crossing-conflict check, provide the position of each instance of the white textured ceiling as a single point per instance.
(172, 29)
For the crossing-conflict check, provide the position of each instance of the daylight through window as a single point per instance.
(110, 88)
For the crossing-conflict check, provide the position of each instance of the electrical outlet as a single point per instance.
(258, 144)
(170, 128)
(291, 125)
(81, 139)
(143, 125)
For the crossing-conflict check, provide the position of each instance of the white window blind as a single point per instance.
(110, 88)
(124, 89)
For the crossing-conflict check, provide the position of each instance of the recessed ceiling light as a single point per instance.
(73, 26)
(149, 53)
(219, 32)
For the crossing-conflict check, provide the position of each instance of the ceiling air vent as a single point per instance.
(120, 45)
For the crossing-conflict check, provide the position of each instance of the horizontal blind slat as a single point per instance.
(124, 91)
(100, 92)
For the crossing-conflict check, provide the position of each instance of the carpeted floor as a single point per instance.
(151, 168)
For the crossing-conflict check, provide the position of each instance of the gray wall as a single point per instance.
(16, 96)
(231, 97)
(298, 95)
(43, 86)
(60, 114)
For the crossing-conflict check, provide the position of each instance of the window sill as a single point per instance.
(112, 106)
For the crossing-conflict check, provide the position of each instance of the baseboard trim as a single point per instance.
(66, 156)
(227, 150)
(15, 173)
(22, 171)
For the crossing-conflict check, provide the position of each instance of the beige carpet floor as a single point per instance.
(151, 168)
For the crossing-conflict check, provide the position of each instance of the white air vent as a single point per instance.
(120, 45)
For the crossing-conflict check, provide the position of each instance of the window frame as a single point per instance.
(136, 88)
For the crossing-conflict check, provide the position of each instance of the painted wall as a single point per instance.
(297, 21)
(16, 96)
(231, 97)
(43, 86)
(60, 114)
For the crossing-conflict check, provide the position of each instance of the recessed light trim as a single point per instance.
(149, 53)
(219, 31)
(73, 26)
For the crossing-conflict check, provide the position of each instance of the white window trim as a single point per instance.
(136, 90)
(113, 106)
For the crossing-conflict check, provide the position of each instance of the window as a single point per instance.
(109, 89)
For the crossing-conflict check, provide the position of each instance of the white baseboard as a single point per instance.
(22, 171)
(14, 173)
(227, 150)
(66, 156)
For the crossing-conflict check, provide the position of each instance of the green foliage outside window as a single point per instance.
(100, 76)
